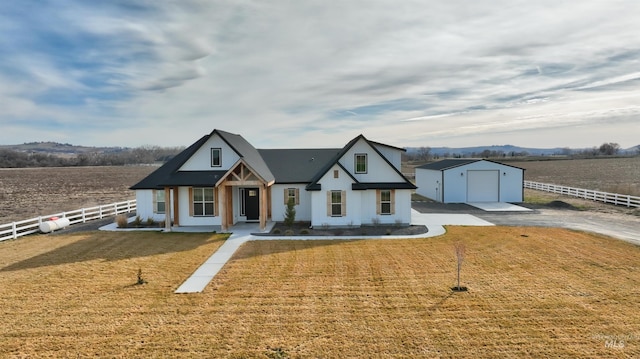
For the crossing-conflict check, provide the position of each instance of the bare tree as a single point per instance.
(609, 149)
(424, 153)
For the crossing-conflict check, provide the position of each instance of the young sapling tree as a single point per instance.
(290, 212)
(459, 249)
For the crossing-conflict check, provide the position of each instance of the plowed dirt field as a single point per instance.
(31, 192)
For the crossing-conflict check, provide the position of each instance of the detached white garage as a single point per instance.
(470, 180)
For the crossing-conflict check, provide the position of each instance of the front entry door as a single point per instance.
(252, 204)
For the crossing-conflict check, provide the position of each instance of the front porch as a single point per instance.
(239, 196)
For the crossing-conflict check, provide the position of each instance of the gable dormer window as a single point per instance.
(216, 157)
(361, 162)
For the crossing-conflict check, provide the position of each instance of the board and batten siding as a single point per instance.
(377, 168)
(201, 160)
(393, 155)
(278, 207)
(401, 211)
(145, 205)
(186, 219)
(319, 215)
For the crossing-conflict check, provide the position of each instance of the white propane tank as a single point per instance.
(54, 224)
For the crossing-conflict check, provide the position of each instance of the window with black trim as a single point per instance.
(336, 203)
(203, 202)
(385, 202)
(216, 157)
(160, 202)
(361, 162)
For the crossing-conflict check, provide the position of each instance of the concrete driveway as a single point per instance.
(616, 225)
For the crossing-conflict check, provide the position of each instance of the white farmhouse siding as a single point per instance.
(145, 205)
(393, 155)
(186, 219)
(401, 208)
(470, 180)
(320, 211)
(378, 169)
(201, 159)
(278, 205)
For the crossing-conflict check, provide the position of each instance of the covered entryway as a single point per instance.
(483, 186)
(253, 195)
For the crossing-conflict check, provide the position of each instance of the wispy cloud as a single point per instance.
(309, 73)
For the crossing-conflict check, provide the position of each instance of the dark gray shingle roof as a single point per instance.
(249, 153)
(164, 172)
(297, 165)
(168, 174)
(279, 165)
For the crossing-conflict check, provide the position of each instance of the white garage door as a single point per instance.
(483, 186)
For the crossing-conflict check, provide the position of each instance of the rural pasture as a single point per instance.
(615, 175)
(31, 192)
(532, 292)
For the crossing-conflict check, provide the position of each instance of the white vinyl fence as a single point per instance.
(32, 225)
(606, 197)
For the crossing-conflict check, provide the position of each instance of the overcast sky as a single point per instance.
(318, 73)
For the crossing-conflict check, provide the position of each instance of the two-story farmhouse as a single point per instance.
(222, 179)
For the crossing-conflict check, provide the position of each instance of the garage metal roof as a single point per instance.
(456, 162)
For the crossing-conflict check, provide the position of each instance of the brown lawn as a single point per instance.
(532, 292)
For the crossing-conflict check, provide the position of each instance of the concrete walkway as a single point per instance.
(242, 234)
(205, 273)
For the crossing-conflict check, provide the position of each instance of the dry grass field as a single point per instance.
(31, 192)
(532, 292)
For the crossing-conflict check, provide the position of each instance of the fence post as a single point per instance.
(13, 229)
(84, 217)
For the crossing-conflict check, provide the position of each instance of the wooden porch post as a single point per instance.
(167, 209)
(263, 207)
(222, 207)
(176, 211)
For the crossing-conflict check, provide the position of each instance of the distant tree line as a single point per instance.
(134, 156)
(424, 154)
